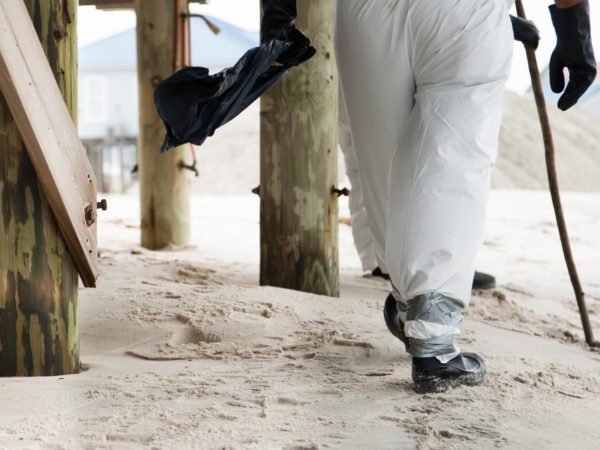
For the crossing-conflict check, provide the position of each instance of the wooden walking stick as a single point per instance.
(554, 189)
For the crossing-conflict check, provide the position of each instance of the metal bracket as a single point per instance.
(344, 192)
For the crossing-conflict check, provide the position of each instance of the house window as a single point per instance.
(95, 99)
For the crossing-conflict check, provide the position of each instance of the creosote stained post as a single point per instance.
(164, 184)
(39, 332)
(299, 213)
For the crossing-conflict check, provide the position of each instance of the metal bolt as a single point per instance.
(90, 215)
(340, 192)
(102, 204)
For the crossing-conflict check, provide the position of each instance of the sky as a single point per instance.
(94, 25)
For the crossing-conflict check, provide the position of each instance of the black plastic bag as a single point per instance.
(193, 104)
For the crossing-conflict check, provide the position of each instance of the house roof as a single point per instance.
(208, 49)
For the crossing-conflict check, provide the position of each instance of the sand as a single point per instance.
(183, 350)
(521, 162)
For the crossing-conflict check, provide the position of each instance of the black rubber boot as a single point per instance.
(482, 281)
(392, 320)
(432, 376)
(429, 374)
(377, 272)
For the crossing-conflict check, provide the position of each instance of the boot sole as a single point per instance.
(439, 385)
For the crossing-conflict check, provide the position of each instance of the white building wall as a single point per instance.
(108, 102)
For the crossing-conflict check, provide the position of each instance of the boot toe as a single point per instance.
(483, 281)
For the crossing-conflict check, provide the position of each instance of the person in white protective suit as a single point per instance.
(363, 241)
(423, 84)
(361, 233)
(524, 31)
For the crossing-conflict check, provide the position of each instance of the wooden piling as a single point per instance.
(164, 183)
(39, 332)
(299, 211)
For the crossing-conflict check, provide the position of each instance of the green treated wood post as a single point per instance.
(164, 184)
(299, 213)
(39, 332)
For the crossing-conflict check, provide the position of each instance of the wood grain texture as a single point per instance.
(164, 185)
(39, 332)
(45, 123)
(299, 213)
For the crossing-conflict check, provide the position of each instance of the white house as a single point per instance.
(108, 94)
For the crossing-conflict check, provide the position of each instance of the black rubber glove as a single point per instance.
(525, 31)
(574, 51)
(279, 22)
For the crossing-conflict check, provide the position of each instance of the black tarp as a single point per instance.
(193, 104)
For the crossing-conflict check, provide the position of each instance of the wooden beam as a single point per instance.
(49, 134)
(299, 211)
(118, 4)
(108, 4)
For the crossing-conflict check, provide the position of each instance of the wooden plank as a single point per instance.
(36, 103)
(118, 4)
(108, 4)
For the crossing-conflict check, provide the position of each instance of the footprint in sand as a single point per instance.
(192, 335)
(182, 344)
(191, 274)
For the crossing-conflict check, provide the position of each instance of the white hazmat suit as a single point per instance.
(361, 233)
(423, 83)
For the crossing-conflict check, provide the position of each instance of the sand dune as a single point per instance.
(229, 161)
(521, 162)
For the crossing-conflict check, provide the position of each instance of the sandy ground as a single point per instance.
(182, 349)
